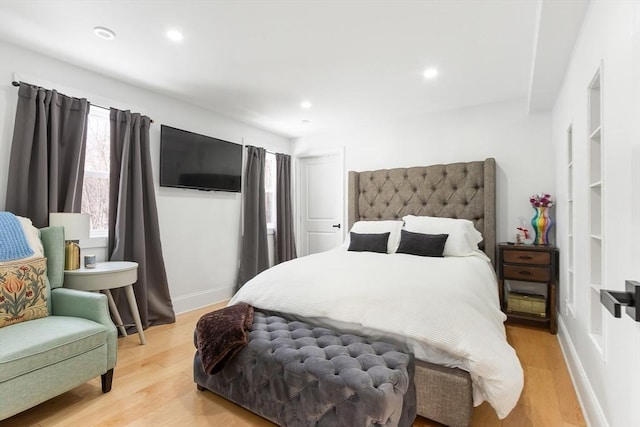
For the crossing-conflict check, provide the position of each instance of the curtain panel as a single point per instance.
(134, 231)
(46, 168)
(254, 255)
(285, 241)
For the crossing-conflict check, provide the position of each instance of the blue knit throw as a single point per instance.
(13, 242)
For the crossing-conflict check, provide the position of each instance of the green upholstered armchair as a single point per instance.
(42, 358)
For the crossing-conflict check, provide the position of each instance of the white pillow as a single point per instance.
(372, 227)
(33, 237)
(463, 237)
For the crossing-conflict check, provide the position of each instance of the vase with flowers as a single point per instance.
(541, 221)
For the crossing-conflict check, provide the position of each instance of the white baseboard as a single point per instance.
(593, 414)
(190, 302)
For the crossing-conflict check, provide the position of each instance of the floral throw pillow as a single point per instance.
(23, 291)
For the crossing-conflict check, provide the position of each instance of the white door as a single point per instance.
(320, 203)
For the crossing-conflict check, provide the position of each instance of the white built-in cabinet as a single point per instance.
(595, 190)
(570, 287)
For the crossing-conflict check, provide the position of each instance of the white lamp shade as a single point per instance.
(76, 225)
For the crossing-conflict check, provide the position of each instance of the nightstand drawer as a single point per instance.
(521, 272)
(527, 257)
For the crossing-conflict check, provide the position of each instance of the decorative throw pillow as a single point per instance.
(23, 289)
(370, 242)
(463, 237)
(421, 244)
(372, 227)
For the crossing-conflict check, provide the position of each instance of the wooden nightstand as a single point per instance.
(536, 266)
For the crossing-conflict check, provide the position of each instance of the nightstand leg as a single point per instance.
(553, 315)
(134, 311)
(115, 312)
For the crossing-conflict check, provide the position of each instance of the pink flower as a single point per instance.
(541, 200)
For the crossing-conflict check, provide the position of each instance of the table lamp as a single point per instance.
(76, 227)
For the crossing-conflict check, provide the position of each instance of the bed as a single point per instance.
(462, 357)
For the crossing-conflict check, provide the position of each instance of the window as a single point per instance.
(270, 190)
(95, 189)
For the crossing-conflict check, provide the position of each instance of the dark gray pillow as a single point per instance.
(369, 242)
(422, 244)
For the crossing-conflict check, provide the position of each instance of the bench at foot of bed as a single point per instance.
(295, 375)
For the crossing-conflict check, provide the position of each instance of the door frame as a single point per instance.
(340, 152)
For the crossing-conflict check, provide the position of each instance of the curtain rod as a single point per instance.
(16, 84)
(268, 151)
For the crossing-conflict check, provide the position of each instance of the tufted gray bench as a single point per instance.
(296, 375)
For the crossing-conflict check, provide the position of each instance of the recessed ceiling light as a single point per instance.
(305, 104)
(306, 122)
(104, 33)
(175, 35)
(430, 73)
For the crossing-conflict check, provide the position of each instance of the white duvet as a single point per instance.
(444, 310)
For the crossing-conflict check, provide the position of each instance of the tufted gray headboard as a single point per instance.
(457, 190)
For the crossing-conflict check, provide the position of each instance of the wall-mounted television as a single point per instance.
(190, 160)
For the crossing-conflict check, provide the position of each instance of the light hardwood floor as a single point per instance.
(153, 386)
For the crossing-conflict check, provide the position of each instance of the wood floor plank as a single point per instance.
(153, 386)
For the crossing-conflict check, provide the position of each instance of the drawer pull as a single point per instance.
(526, 257)
(525, 273)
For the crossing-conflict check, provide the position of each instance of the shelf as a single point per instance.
(527, 317)
(596, 208)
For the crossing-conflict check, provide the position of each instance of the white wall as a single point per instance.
(199, 230)
(520, 143)
(607, 381)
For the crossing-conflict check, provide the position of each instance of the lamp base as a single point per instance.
(71, 255)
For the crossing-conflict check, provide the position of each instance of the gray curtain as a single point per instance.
(134, 232)
(254, 255)
(46, 168)
(285, 239)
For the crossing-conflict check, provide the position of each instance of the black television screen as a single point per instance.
(189, 160)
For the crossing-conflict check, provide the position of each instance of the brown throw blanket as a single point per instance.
(223, 333)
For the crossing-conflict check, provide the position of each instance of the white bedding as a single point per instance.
(444, 310)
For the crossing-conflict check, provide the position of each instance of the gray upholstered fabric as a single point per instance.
(444, 394)
(296, 375)
(457, 190)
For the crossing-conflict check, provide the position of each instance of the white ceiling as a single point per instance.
(255, 61)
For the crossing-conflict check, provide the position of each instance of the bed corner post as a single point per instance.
(490, 209)
(352, 202)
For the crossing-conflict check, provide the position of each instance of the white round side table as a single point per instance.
(105, 276)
